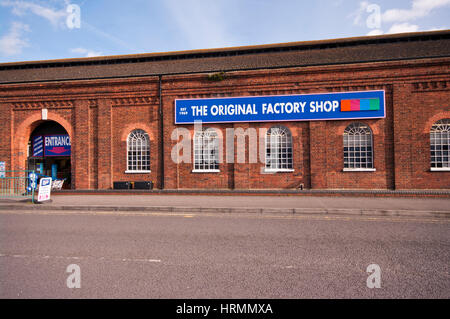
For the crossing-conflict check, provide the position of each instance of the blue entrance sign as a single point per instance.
(305, 107)
(57, 145)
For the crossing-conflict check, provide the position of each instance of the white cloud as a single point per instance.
(436, 29)
(19, 8)
(85, 52)
(376, 32)
(403, 27)
(359, 14)
(57, 17)
(12, 43)
(400, 20)
(419, 9)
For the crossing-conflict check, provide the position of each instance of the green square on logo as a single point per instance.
(374, 104)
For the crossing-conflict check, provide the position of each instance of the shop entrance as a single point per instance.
(49, 152)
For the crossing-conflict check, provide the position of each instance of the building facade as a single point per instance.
(119, 113)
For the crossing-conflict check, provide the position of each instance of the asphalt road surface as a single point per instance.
(151, 255)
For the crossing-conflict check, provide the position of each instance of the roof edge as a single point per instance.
(242, 49)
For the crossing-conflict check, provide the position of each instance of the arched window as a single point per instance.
(440, 144)
(358, 147)
(206, 151)
(138, 152)
(279, 149)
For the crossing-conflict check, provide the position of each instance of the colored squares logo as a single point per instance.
(360, 105)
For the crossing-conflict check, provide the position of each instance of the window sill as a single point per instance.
(205, 171)
(359, 170)
(137, 172)
(440, 169)
(272, 170)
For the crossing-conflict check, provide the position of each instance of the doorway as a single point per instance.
(49, 152)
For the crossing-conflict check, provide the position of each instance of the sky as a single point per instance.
(59, 29)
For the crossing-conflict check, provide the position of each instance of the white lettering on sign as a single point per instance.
(283, 108)
(199, 110)
(63, 140)
(323, 106)
(266, 108)
(233, 109)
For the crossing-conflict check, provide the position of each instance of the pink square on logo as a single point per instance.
(354, 105)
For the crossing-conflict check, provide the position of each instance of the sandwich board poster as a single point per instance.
(45, 185)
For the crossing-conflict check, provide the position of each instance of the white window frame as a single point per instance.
(440, 143)
(279, 143)
(136, 165)
(358, 135)
(210, 138)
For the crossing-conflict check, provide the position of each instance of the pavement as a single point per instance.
(378, 206)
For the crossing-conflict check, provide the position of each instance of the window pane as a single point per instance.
(138, 152)
(439, 143)
(279, 148)
(206, 150)
(358, 146)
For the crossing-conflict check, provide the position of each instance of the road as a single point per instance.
(168, 255)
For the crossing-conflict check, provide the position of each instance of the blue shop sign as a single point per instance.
(304, 107)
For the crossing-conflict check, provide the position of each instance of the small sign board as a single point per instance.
(33, 181)
(2, 169)
(45, 186)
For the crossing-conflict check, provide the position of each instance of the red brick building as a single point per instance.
(119, 114)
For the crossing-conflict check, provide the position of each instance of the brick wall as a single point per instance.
(100, 114)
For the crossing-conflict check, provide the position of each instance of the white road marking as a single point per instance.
(142, 260)
(149, 260)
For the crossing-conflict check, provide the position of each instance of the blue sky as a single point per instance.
(42, 30)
